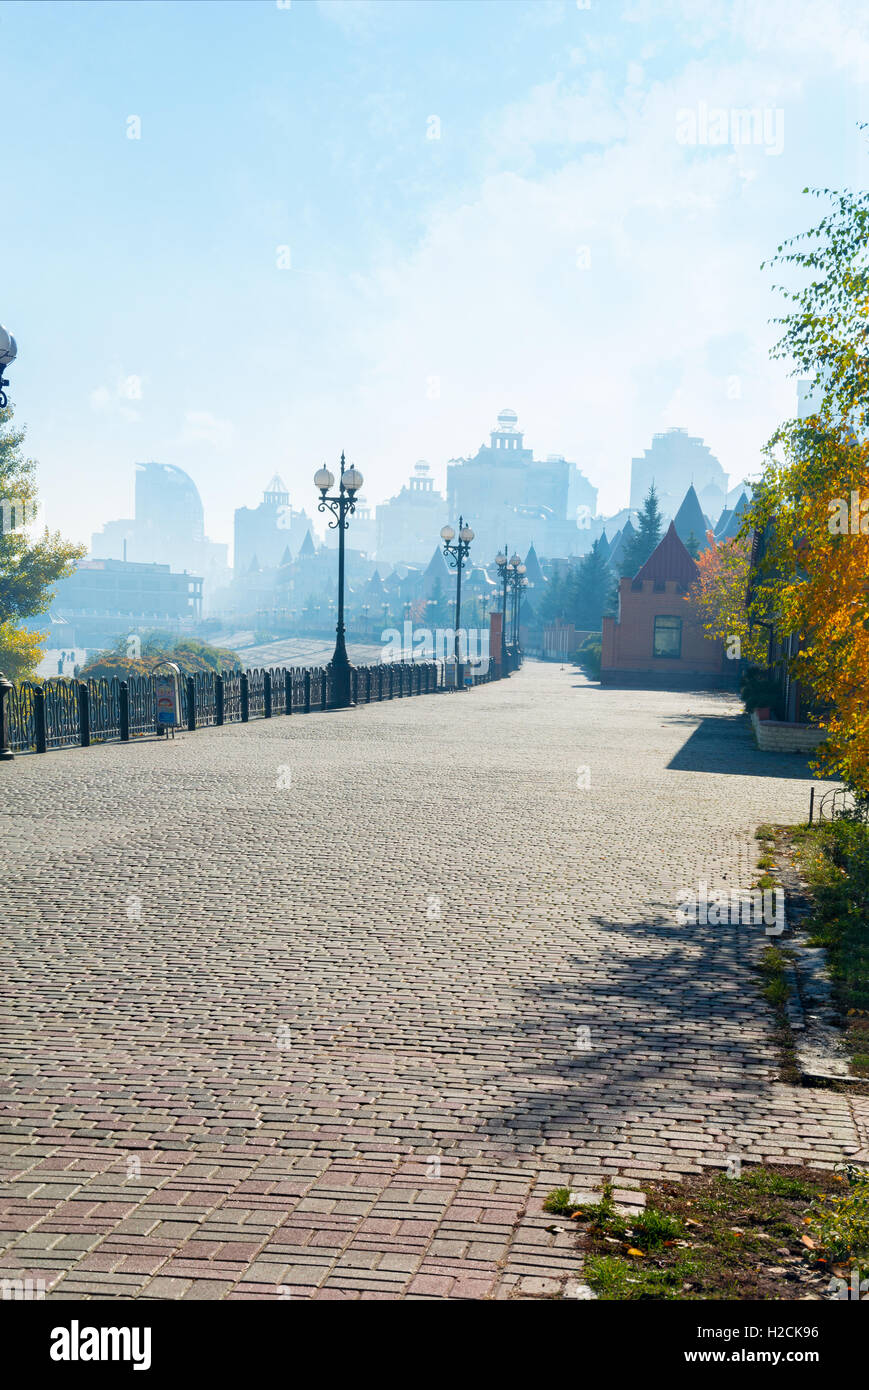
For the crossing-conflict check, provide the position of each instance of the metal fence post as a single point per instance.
(124, 711)
(6, 688)
(307, 691)
(39, 718)
(84, 715)
(391, 680)
(218, 699)
(288, 691)
(245, 697)
(191, 704)
(325, 688)
(267, 694)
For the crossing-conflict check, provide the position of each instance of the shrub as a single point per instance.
(588, 657)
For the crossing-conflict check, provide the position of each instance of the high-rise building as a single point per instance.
(677, 461)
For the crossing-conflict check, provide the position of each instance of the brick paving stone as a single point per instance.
(288, 1076)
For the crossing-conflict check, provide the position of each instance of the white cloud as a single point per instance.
(200, 426)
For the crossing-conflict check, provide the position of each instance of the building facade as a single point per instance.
(657, 639)
(263, 533)
(509, 496)
(409, 524)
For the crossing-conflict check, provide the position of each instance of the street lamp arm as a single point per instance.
(339, 507)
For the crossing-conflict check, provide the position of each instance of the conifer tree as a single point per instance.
(647, 538)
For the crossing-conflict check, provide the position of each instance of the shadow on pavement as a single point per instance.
(671, 1033)
(724, 743)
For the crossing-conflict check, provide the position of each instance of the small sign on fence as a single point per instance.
(167, 687)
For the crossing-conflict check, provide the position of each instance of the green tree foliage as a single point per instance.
(29, 569)
(647, 538)
(581, 595)
(590, 590)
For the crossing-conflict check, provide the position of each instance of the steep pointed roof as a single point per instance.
(620, 545)
(375, 584)
(437, 566)
(732, 528)
(722, 522)
(603, 545)
(307, 548)
(690, 518)
(276, 484)
(533, 572)
(286, 558)
(669, 560)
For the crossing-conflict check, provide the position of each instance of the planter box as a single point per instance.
(778, 736)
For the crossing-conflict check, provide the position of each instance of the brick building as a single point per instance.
(656, 639)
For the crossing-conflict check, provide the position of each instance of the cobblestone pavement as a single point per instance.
(294, 1006)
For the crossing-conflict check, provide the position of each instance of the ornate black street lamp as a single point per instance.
(456, 556)
(502, 562)
(512, 579)
(8, 354)
(518, 584)
(341, 507)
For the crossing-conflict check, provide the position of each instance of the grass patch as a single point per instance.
(834, 859)
(772, 969)
(766, 832)
(770, 1233)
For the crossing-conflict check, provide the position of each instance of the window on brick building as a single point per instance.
(668, 637)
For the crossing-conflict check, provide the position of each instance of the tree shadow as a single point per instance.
(666, 1033)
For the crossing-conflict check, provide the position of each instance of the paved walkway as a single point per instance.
(297, 1008)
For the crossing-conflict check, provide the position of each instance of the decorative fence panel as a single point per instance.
(143, 705)
(256, 695)
(20, 718)
(105, 710)
(231, 697)
(62, 713)
(206, 701)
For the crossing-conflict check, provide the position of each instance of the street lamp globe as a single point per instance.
(500, 560)
(352, 479)
(466, 535)
(520, 569)
(323, 479)
(515, 560)
(8, 348)
(447, 533)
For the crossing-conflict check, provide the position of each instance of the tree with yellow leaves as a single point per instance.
(28, 568)
(811, 508)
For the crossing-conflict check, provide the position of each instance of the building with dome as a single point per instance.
(510, 496)
(168, 529)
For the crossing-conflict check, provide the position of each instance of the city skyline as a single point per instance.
(389, 238)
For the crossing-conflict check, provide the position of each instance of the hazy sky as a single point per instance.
(560, 248)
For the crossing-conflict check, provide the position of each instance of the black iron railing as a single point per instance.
(60, 713)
